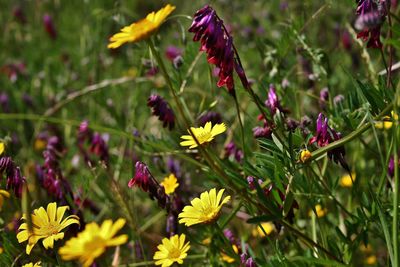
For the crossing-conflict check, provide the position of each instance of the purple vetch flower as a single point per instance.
(174, 166)
(172, 52)
(215, 40)
(161, 109)
(259, 132)
(14, 178)
(292, 124)
(371, 14)
(172, 224)
(326, 135)
(145, 181)
(391, 166)
(247, 261)
(232, 151)
(5, 102)
(272, 102)
(99, 147)
(49, 26)
(338, 99)
(323, 98)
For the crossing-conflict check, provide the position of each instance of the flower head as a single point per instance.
(49, 26)
(2, 147)
(305, 155)
(172, 250)
(3, 194)
(31, 264)
(267, 228)
(209, 29)
(170, 183)
(93, 241)
(320, 212)
(273, 102)
(205, 209)
(142, 29)
(203, 134)
(161, 109)
(46, 225)
(347, 180)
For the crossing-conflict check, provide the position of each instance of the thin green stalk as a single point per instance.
(395, 199)
(241, 127)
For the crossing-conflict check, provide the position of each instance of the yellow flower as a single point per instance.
(387, 121)
(40, 144)
(268, 227)
(170, 183)
(93, 241)
(142, 29)
(37, 264)
(171, 250)
(305, 155)
(2, 147)
(319, 210)
(347, 181)
(46, 225)
(204, 209)
(228, 258)
(371, 260)
(203, 135)
(3, 193)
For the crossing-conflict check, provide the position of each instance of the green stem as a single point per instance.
(241, 128)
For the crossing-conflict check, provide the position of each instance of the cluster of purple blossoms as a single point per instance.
(371, 14)
(273, 103)
(15, 180)
(161, 109)
(209, 29)
(145, 181)
(97, 144)
(213, 117)
(326, 135)
(50, 175)
(231, 151)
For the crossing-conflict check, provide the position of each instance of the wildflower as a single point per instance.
(272, 102)
(326, 135)
(148, 183)
(93, 241)
(19, 14)
(161, 109)
(203, 135)
(5, 102)
(391, 166)
(15, 180)
(338, 99)
(205, 209)
(2, 147)
(266, 229)
(142, 29)
(371, 16)
(228, 258)
(31, 264)
(387, 121)
(209, 29)
(170, 183)
(232, 151)
(323, 98)
(320, 212)
(172, 52)
(347, 180)
(262, 132)
(172, 250)
(305, 155)
(46, 225)
(371, 260)
(3, 194)
(49, 26)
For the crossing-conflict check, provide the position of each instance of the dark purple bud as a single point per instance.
(323, 98)
(4, 102)
(250, 263)
(172, 225)
(230, 236)
(177, 62)
(259, 132)
(213, 117)
(292, 124)
(19, 14)
(161, 109)
(172, 52)
(142, 177)
(99, 148)
(49, 26)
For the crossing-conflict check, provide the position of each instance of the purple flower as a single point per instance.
(338, 99)
(49, 26)
(5, 102)
(326, 135)
(172, 52)
(371, 15)
(391, 166)
(14, 178)
(209, 29)
(212, 116)
(259, 132)
(161, 109)
(323, 98)
(99, 147)
(232, 151)
(19, 14)
(272, 102)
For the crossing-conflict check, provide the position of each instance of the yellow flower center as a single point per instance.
(209, 213)
(175, 253)
(203, 136)
(49, 229)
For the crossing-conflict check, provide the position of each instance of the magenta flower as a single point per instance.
(272, 102)
(49, 26)
(15, 180)
(161, 109)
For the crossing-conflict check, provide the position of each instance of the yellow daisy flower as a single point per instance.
(203, 135)
(204, 209)
(346, 180)
(142, 29)
(170, 183)
(31, 264)
(2, 147)
(172, 250)
(305, 155)
(387, 121)
(93, 241)
(3, 194)
(321, 212)
(46, 225)
(268, 227)
(371, 260)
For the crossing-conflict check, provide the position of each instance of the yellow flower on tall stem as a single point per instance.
(171, 250)
(93, 241)
(203, 134)
(170, 183)
(3, 194)
(31, 264)
(2, 147)
(46, 225)
(142, 29)
(205, 209)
